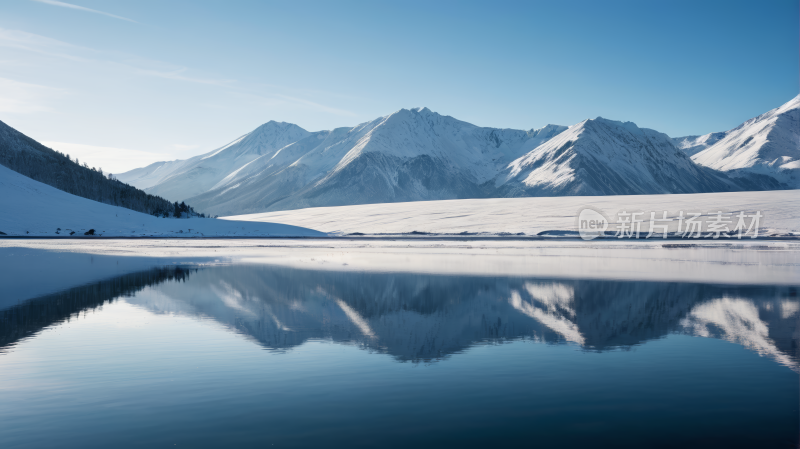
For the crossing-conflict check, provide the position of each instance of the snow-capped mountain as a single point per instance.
(187, 178)
(606, 157)
(767, 145)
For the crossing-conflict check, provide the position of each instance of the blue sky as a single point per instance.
(125, 83)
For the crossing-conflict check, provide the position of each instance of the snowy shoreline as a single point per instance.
(417, 237)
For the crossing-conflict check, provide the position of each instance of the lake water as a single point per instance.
(268, 356)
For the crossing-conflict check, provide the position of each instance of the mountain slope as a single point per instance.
(606, 157)
(32, 159)
(692, 145)
(31, 208)
(767, 145)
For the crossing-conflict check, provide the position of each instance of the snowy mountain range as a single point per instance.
(764, 146)
(418, 155)
(410, 155)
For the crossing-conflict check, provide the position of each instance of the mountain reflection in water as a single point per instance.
(421, 317)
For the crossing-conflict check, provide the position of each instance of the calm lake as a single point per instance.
(262, 356)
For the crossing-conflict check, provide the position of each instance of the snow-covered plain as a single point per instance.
(31, 208)
(531, 216)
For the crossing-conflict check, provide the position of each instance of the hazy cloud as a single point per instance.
(181, 147)
(316, 106)
(110, 159)
(176, 75)
(81, 8)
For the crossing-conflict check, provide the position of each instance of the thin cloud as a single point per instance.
(46, 46)
(35, 43)
(316, 106)
(81, 8)
(49, 47)
(176, 76)
(24, 98)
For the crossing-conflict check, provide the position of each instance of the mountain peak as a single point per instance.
(627, 125)
(277, 126)
(794, 103)
(423, 111)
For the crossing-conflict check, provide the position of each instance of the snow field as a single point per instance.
(531, 216)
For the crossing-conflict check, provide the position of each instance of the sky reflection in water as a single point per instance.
(176, 356)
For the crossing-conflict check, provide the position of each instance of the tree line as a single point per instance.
(32, 159)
